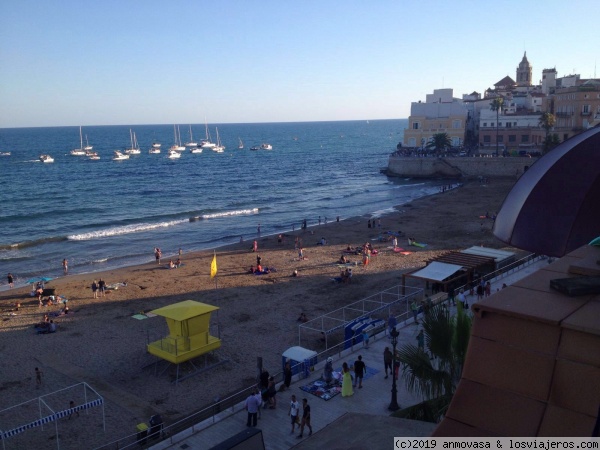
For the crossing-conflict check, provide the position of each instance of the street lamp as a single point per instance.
(394, 403)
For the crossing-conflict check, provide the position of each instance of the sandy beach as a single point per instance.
(100, 343)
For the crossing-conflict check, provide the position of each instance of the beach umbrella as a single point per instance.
(554, 208)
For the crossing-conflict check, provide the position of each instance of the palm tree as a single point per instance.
(547, 122)
(439, 142)
(496, 105)
(433, 373)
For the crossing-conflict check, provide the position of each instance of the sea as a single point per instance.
(104, 214)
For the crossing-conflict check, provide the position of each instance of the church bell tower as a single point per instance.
(524, 72)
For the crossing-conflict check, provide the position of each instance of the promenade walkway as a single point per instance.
(373, 399)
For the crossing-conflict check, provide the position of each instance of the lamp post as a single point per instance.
(394, 403)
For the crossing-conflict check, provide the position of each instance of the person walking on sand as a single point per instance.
(255, 246)
(305, 418)
(387, 361)
(102, 287)
(11, 280)
(294, 410)
(38, 377)
(65, 265)
(95, 289)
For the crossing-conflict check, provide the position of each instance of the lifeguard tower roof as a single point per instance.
(184, 310)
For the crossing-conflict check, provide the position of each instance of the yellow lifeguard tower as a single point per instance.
(189, 332)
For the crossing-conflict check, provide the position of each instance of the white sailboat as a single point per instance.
(206, 143)
(191, 143)
(134, 149)
(173, 154)
(79, 151)
(219, 148)
(196, 150)
(87, 147)
(241, 144)
(177, 136)
(154, 150)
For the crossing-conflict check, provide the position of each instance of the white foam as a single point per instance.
(127, 229)
(230, 213)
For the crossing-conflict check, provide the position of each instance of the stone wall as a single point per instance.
(469, 167)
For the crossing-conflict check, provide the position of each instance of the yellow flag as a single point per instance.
(213, 266)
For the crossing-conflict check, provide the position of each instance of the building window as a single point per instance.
(415, 126)
(586, 109)
(491, 124)
(455, 141)
(500, 138)
(487, 139)
(456, 124)
(525, 138)
(512, 138)
(508, 125)
(485, 124)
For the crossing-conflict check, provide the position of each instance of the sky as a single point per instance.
(128, 62)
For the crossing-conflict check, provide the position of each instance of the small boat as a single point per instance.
(191, 143)
(92, 155)
(255, 147)
(174, 154)
(241, 144)
(79, 151)
(118, 156)
(156, 144)
(135, 148)
(196, 150)
(46, 159)
(4, 153)
(266, 147)
(219, 148)
(154, 150)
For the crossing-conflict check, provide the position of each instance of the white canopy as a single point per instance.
(437, 271)
(498, 255)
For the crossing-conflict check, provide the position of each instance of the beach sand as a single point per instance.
(102, 345)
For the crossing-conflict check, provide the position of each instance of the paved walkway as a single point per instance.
(374, 398)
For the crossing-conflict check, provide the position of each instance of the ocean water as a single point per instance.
(105, 214)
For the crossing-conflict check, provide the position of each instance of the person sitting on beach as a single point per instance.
(343, 259)
(302, 318)
(65, 310)
(348, 276)
(259, 269)
(323, 241)
(411, 241)
(171, 264)
(295, 273)
(252, 270)
(44, 323)
(178, 263)
(39, 292)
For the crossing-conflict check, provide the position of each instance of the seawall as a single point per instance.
(468, 167)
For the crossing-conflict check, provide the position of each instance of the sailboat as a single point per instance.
(134, 149)
(79, 151)
(87, 147)
(219, 148)
(206, 143)
(241, 144)
(191, 143)
(177, 145)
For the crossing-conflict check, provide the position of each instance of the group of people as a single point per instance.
(99, 288)
(175, 265)
(345, 276)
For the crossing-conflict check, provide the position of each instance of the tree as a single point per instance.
(435, 372)
(496, 105)
(551, 141)
(547, 122)
(439, 142)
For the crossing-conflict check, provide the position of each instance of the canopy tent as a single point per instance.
(436, 271)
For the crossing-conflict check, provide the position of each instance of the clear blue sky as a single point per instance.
(155, 61)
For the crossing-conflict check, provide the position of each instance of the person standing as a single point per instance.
(415, 310)
(365, 338)
(38, 377)
(287, 375)
(421, 340)
(11, 280)
(258, 229)
(392, 322)
(395, 242)
(347, 390)
(65, 265)
(252, 405)
(102, 287)
(305, 418)
(461, 298)
(294, 409)
(359, 372)
(388, 357)
(95, 289)
(255, 246)
(258, 260)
